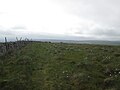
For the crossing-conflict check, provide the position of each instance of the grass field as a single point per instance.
(60, 66)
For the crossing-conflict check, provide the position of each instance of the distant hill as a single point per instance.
(99, 42)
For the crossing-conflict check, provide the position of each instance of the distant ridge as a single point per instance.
(99, 42)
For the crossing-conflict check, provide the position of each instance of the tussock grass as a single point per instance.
(60, 66)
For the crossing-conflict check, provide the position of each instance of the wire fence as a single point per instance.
(7, 47)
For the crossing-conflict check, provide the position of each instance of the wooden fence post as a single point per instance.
(17, 43)
(6, 44)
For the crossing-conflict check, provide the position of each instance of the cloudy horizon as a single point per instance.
(60, 19)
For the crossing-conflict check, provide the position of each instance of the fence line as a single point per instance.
(11, 46)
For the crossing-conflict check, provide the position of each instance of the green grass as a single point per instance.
(59, 66)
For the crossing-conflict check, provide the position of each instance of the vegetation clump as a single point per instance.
(61, 66)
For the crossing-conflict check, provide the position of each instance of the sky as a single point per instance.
(60, 19)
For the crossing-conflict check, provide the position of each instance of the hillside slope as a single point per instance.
(60, 66)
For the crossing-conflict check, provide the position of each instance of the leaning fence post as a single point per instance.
(6, 45)
(20, 42)
(16, 38)
(17, 42)
(20, 38)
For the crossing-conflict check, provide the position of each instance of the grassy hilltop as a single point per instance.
(60, 66)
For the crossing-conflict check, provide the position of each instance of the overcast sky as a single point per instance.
(60, 19)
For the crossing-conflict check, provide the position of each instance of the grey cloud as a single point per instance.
(57, 37)
(2, 32)
(18, 27)
(107, 32)
(100, 32)
(103, 12)
(11, 31)
(1, 12)
(6, 32)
